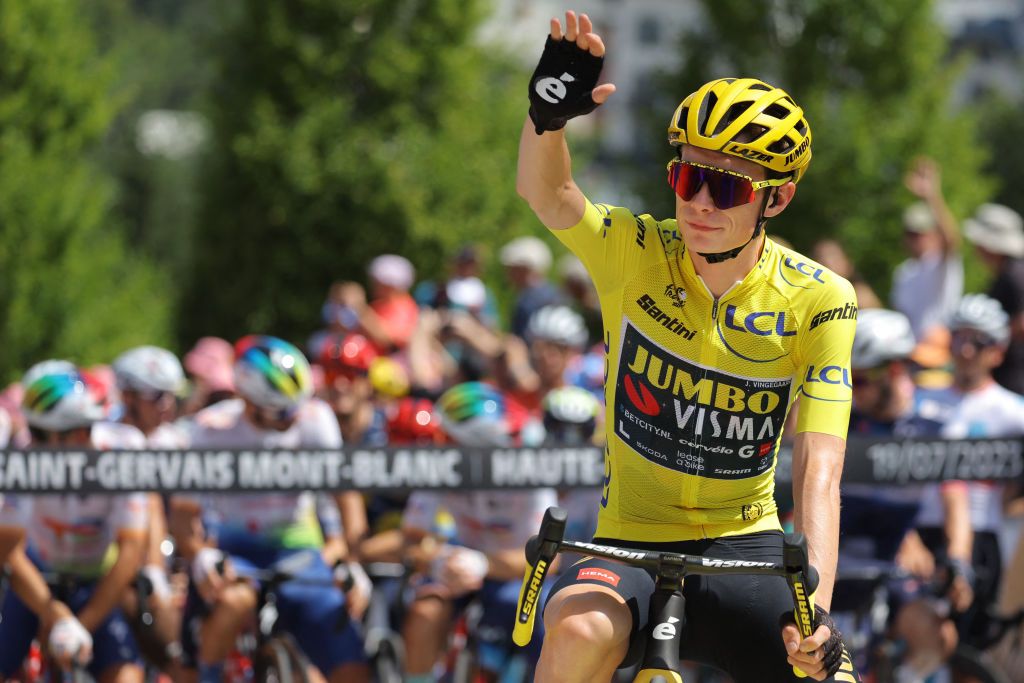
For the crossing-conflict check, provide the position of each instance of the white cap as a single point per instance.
(998, 229)
(571, 268)
(466, 292)
(392, 270)
(530, 252)
(918, 217)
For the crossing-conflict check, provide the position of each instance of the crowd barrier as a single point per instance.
(874, 461)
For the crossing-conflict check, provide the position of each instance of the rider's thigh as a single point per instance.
(585, 614)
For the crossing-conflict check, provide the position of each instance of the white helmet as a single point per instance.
(149, 368)
(881, 336)
(570, 415)
(984, 314)
(57, 397)
(559, 325)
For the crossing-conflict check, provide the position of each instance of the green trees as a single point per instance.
(68, 285)
(342, 130)
(872, 78)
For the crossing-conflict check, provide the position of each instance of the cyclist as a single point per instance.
(150, 381)
(276, 411)
(711, 331)
(980, 408)
(490, 528)
(571, 418)
(96, 542)
(878, 523)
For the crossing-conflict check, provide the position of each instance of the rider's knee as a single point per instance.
(595, 619)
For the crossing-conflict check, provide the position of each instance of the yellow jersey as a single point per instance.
(697, 389)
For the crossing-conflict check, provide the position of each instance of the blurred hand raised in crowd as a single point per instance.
(353, 295)
(924, 179)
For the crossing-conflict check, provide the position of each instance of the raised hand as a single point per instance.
(564, 85)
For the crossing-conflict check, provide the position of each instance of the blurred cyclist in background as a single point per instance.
(877, 525)
(571, 418)
(980, 408)
(150, 381)
(485, 558)
(75, 536)
(276, 411)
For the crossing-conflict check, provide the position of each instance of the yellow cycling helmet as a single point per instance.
(746, 118)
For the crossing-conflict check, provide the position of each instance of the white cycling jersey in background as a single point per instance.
(284, 520)
(74, 533)
(992, 412)
(488, 521)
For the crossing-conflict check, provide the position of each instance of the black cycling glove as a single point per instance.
(560, 86)
(833, 649)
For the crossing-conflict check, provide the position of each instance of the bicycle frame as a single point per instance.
(668, 617)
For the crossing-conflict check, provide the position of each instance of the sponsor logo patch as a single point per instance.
(847, 312)
(598, 574)
(669, 322)
(693, 419)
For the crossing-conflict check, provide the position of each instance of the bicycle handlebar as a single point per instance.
(542, 549)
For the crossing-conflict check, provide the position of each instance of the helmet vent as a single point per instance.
(759, 86)
(776, 111)
(706, 107)
(781, 146)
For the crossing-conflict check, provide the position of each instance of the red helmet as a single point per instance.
(413, 421)
(349, 356)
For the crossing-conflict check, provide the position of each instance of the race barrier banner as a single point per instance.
(883, 462)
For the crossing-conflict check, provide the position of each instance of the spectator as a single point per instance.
(526, 261)
(928, 285)
(390, 317)
(581, 293)
(463, 289)
(556, 334)
(209, 364)
(997, 233)
(830, 253)
(346, 365)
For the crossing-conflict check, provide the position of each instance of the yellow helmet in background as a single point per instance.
(746, 118)
(388, 377)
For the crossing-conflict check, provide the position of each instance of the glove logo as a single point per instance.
(552, 89)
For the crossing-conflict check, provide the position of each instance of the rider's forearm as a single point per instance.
(544, 178)
(817, 469)
(31, 588)
(130, 552)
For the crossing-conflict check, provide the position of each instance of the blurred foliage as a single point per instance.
(875, 83)
(341, 130)
(69, 286)
(1003, 133)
